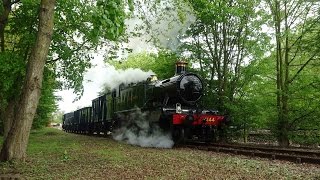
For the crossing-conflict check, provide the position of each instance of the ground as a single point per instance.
(54, 154)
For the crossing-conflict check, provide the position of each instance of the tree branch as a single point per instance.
(72, 51)
(294, 122)
(302, 67)
(306, 30)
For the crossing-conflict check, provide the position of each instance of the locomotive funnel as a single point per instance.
(181, 67)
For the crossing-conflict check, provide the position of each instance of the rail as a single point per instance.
(273, 153)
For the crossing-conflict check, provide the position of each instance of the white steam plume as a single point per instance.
(138, 131)
(117, 77)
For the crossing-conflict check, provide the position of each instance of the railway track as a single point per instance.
(273, 153)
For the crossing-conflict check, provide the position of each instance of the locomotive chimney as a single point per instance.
(181, 67)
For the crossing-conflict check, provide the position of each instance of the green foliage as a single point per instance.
(144, 61)
(162, 64)
(57, 117)
(108, 19)
(47, 104)
(1, 7)
(305, 137)
(65, 156)
(218, 44)
(80, 27)
(21, 33)
(295, 53)
(255, 104)
(11, 73)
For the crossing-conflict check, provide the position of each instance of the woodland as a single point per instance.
(259, 59)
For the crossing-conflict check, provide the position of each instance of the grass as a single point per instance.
(53, 154)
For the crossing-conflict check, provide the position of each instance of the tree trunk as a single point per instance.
(8, 118)
(15, 145)
(10, 109)
(3, 21)
(281, 71)
(245, 133)
(284, 139)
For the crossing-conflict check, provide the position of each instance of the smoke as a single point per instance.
(117, 77)
(138, 131)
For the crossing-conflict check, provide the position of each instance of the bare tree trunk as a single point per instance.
(15, 145)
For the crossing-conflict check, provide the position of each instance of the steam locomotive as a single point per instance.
(172, 104)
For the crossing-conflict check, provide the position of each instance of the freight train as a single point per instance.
(171, 104)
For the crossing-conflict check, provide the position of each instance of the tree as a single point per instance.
(15, 144)
(254, 107)
(292, 22)
(80, 28)
(224, 37)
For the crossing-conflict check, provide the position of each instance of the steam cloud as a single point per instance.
(117, 77)
(138, 131)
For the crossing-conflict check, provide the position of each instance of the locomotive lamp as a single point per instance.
(178, 108)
